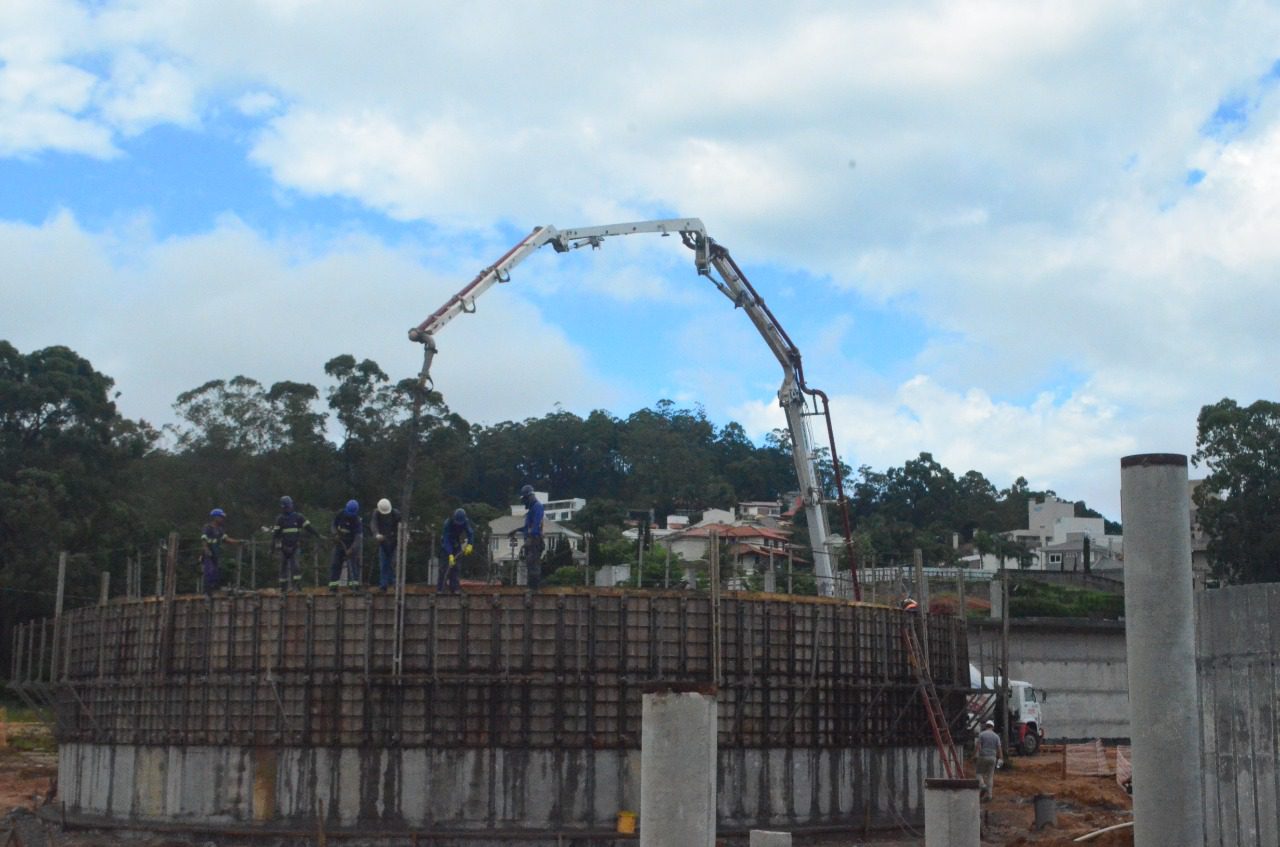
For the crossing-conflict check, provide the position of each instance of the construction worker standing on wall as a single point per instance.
(455, 539)
(211, 538)
(532, 530)
(348, 533)
(386, 529)
(288, 533)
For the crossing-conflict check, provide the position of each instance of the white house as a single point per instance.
(505, 549)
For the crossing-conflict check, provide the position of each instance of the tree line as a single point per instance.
(78, 476)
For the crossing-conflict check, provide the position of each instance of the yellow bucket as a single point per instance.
(627, 823)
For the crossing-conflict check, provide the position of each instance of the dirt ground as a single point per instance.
(28, 768)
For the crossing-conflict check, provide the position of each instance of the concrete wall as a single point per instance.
(1238, 643)
(1080, 664)
(386, 790)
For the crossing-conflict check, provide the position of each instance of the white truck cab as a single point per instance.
(1026, 728)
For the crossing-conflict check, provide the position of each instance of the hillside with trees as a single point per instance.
(76, 475)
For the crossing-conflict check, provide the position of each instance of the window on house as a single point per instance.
(1055, 558)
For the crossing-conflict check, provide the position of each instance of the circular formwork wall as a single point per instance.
(499, 711)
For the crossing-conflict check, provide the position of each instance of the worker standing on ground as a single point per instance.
(455, 539)
(990, 756)
(386, 529)
(288, 533)
(532, 530)
(348, 533)
(211, 539)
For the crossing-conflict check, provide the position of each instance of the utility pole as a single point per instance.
(57, 615)
(713, 568)
(1004, 658)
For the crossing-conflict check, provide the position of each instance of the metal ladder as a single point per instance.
(952, 764)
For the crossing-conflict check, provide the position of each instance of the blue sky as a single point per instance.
(1027, 238)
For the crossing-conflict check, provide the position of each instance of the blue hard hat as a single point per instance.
(217, 513)
(527, 491)
(286, 503)
(460, 516)
(352, 507)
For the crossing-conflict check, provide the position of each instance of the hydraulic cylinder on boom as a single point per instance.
(799, 402)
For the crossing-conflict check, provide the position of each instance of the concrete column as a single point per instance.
(678, 766)
(1164, 712)
(951, 815)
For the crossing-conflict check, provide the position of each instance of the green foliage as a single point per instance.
(1239, 501)
(76, 476)
(64, 456)
(567, 575)
(1028, 598)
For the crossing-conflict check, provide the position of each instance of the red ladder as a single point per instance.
(951, 761)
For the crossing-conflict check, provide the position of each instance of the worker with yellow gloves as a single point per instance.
(456, 539)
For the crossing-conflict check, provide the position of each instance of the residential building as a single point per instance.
(750, 546)
(759, 509)
(505, 550)
(553, 510)
(563, 510)
(715, 516)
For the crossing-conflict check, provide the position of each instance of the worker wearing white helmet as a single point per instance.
(386, 528)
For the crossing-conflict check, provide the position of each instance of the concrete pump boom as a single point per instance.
(714, 262)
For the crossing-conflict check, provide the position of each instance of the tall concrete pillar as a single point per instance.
(1164, 712)
(678, 766)
(951, 813)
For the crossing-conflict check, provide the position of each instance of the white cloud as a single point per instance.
(1072, 445)
(1017, 188)
(181, 311)
(256, 103)
(142, 93)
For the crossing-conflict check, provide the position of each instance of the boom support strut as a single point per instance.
(798, 400)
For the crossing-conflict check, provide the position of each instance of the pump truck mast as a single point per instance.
(713, 261)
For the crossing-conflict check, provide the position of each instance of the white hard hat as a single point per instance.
(989, 723)
(384, 506)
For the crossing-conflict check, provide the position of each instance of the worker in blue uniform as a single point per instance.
(532, 530)
(287, 533)
(348, 535)
(211, 539)
(456, 539)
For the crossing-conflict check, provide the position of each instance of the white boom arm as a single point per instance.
(715, 263)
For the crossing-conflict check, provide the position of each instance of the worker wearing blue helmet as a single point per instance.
(348, 533)
(211, 539)
(288, 534)
(532, 530)
(456, 539)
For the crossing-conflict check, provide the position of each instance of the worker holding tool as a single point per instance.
(386, 529)
(211, 539)
(348, 532)
(456, 539)
(288, 534)
(990, 756)
(532, 530)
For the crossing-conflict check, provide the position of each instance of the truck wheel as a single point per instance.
(1030, 744)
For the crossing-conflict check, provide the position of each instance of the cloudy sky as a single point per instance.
(1027, 237)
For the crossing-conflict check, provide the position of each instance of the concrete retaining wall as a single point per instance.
(391, 790)
(1238, 644)
(1081, 664)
